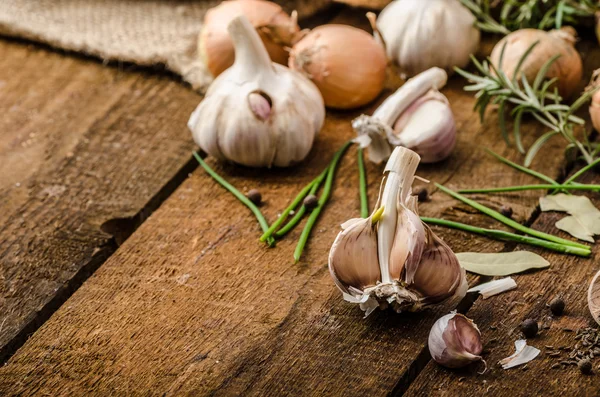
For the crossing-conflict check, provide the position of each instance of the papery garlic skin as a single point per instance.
(568, 68)
(595, 103)
(257, 113)
(455, 341)
(402, 265)
(420, 34)
(416, 116)
(277, 30)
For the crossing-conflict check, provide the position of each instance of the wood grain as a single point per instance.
(193, 304)
(84, 151)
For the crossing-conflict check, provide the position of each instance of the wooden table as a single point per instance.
(125, 270)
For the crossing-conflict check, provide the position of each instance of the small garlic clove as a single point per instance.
(593, 298)
(428, 127)
(455, 341)
(353, 261)
(260, 104)
(408, 245)
(439, 275)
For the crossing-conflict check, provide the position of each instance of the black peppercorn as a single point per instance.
(254, 196)
(421, 193)
(529, 328)
(585, 366)
(506, 211)
(557, 306)
(311, 201)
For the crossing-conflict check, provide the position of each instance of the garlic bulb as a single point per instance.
(595, 104)
(346, 63)
(257, 113)
(455, 341)
(567, 69)
(277, 31)
(415, 116)
(392, 258)
(420, 34)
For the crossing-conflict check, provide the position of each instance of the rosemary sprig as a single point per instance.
(362, 177)
(536, 99)
(322, 201)
(507, 221)
(259, 216)
(507, 236)
(539, 14)
(530, 187)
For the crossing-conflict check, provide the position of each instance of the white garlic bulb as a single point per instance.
(455, 341)
(392, 258)
(420, 34)
(257, 113)
(416, 116)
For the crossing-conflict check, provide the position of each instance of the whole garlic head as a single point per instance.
(420, 34)
(392, 258)
(455, 341)
(257, 113)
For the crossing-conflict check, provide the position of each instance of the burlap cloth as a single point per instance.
(145, 32)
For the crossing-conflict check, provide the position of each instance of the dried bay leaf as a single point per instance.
(584, 221)
(500, 263)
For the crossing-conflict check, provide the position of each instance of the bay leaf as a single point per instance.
(584, 221)
(500, 263)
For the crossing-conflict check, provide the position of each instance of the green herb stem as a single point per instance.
(362, 176)
(303, 193)
(526, 170)
(582, 171)
(530, 187)
(259, 216)
(507, 236)
(322, 201)
(507, 221)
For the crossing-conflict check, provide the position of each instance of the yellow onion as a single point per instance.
(346, 63)
(567, 68)
(276, 28)
(595, 105)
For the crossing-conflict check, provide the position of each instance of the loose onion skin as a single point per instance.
(567, 69)
(276, 29)
(347, 64)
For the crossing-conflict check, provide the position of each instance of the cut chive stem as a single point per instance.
(303, 193)
(525, 170)
(530, 187)
(322, 201)
(583, 170)
(507, 221)
(259, 216)
(507, 236)
(302, 210)
(362, 175)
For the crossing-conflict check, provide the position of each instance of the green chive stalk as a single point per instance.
(507, 236)
(259, 216)
(362, 177)
(530, 187)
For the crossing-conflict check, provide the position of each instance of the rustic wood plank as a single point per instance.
(193, 304)
(499, 317)
(82, 148)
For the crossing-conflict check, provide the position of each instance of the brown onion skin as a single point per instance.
(216, 48)
(347, 64)
(568, 68)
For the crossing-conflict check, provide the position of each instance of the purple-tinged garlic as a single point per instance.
(257, 113)
(455, 341)
(392, 258)
(416, 116)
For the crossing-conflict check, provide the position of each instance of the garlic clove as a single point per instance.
(439, 275)
(257, 113)
(595, 103)
(593, 298)
(455, 341)
(428, 127)
(408, 245)
(353, 262)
